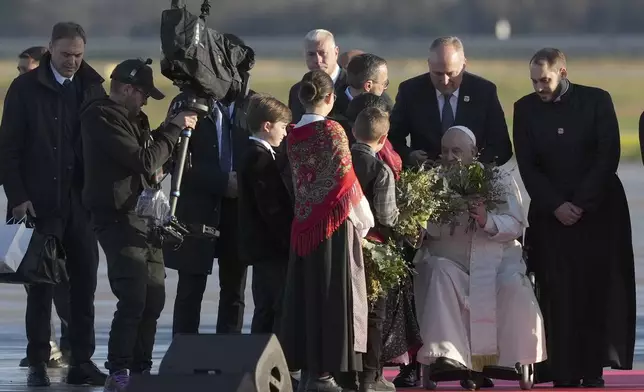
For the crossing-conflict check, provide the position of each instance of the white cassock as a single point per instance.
(474, 302)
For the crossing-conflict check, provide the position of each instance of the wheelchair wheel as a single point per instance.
(470, 385)
(428, 384)
(527, 377)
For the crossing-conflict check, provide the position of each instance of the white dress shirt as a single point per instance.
(60, 78)
(335, 74)
(264, 144)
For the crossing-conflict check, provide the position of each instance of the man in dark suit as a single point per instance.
(41, 156)
(321, 52)
(209, 197)
(427, 105)
(29, 59)
(366, 73)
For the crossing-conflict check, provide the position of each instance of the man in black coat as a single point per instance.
(42, 161)
(579, 240)
(209, 197)
(28, 60)
(366, 73)
(427, 105)
(122, 159)
(321, 52)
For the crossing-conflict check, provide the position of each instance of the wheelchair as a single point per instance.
(472, 380)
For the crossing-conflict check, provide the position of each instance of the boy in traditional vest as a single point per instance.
(378, 184)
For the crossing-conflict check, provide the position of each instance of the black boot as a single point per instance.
(37, 376)
(407, 376)
(86, 374)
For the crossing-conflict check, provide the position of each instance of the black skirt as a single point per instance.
(317, 324)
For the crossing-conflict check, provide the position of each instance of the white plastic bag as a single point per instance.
(154, 205)
(14, 241)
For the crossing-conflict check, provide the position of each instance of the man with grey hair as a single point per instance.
(320, 52)
(454, 97)
(579, 239)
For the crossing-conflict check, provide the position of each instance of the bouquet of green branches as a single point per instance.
(457, 185)
(384, 263)
(415, 203)
(384, 266)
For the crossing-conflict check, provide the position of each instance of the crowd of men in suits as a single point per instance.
(566, 144)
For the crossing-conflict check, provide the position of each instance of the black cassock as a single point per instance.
(569, 151)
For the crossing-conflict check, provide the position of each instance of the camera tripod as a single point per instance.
(173, 231)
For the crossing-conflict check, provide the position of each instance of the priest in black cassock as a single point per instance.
(579, 245)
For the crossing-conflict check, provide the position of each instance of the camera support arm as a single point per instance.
(172, 229)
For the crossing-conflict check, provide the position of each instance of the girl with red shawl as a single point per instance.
(324, 323)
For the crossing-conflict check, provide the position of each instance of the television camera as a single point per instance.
(207, 66)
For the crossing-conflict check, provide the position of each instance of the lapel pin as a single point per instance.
(466, 98)
(560, 131)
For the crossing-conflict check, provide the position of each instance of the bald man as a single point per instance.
(320, 52)
(471, 286)
(346, 57)
(427, 105)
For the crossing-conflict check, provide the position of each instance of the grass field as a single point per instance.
(624, 79)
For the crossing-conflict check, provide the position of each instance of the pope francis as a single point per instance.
(475, 304)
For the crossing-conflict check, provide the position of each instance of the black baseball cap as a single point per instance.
(138, 73)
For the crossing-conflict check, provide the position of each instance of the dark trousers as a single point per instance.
(269, 279)
(190, 290)
(81, 248)
(232, 283)
(137, 278)
(61, 303)
(371, 359)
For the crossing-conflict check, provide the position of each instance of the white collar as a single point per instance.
(59, 78)
(264, 143)
(348, 93)
(455, 93)
(309, 118)
(335, 74)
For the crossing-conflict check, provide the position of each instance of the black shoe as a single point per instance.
(594, 382)
(566, 384)
(443, 364)
(407, 376)
(323, 385)
(86, 374)
(37, 376)
(24, 363)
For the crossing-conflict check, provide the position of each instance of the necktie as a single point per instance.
(66, 82)
(447, 116)
(225, 149)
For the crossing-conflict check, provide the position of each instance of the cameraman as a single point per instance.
(122, 158)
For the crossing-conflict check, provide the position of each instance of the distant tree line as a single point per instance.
(377, 18)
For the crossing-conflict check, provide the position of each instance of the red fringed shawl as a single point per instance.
(325, 184)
